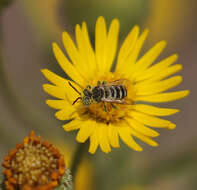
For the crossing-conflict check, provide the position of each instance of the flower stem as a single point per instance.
(2, 185)
(79, 155)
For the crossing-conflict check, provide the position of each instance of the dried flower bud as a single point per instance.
(33, 165)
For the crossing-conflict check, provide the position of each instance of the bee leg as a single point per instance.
(104, 82)
(105, 107)
(99, 83)
(113, 106)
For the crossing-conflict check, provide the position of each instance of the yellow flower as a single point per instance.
(145, 82)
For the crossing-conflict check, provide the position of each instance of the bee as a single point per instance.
(111, 92)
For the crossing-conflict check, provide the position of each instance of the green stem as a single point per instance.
(2, 185)
(79, 155)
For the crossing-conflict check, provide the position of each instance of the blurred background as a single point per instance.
(27, 29)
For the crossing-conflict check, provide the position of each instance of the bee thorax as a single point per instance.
(97, 94)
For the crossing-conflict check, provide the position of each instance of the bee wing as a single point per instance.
(123, 101)
(116, 82)
(127, 102)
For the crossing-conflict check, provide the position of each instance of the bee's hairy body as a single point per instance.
(112, 92)
(108, 93)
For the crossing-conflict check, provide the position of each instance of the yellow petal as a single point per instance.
(70, 48)
(139, 127)
(134, 55)
(66, 113)
(158, 67)
(67, 66)
(85, 131)
(85, 66)
(126, 137)
(103, 138)
(55, 91)
(172, 126)
(94, 142)
(143, 138)
(165, 73)
(90, 54)
(127, 47)
(152, 110)
(113, 136)
(53, 78)
(70, 93)
(72, 125)
(112, 41)
(130, 62)
(57, 104)
(79, 39)
(164, 97)
(148, 58)
(149, 120)
(73, 52)
(101, 43)
(157, 87)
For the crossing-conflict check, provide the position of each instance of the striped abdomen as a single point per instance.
(100, 93)
(117, 92)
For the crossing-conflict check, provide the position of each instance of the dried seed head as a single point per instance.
(33, 165)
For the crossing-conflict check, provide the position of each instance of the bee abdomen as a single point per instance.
(107, 93)
(123, 91)
(110, 93)
(112, 90)
(117, 92)
(120, 92)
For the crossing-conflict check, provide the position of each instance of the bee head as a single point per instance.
(87, 98)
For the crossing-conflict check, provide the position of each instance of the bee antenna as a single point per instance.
(74, 88)
(76, 100)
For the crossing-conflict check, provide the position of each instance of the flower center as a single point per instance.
(33, 165)
(109, 112)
